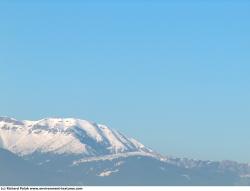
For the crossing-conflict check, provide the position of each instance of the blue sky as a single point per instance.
(173, 74)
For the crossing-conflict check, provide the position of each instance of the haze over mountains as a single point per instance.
(68, 151)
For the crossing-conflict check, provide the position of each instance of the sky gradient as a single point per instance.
(173, 74)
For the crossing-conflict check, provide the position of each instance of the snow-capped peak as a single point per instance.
(64, 136)
(10, 120)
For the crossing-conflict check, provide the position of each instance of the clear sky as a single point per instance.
(173, 74)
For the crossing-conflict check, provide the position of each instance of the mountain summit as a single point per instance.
(64, 136)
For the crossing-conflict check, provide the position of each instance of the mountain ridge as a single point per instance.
(64, 135)
(87, 153)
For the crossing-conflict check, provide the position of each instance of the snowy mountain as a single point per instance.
(64, 136)
(68, 151)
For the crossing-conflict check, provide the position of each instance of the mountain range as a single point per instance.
(69, 151)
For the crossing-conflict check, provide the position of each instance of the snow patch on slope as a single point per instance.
(120, 155)
(108, 173)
